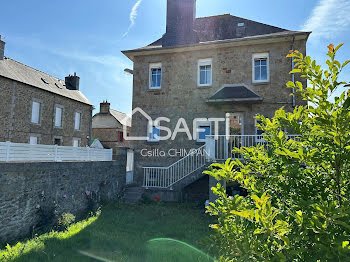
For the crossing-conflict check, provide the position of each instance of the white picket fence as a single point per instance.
(13, 152)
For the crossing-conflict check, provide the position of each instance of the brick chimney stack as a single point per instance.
(105, 107)
(72, 82)
(181, 15)
(2, 49)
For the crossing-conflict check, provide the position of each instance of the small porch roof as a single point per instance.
(235, 93)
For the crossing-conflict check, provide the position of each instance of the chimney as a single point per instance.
(181, 15)
(2, 49)
(72, 82)
(104, 107)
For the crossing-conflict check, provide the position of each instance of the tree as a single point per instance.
(297, 208)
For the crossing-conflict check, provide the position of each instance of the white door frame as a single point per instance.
(129, 179)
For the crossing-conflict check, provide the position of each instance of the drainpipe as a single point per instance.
(293, 75)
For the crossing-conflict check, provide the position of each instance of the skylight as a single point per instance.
(58, 85)
(45, 81)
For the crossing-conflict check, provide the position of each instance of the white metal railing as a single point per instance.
(220, 147)
(165, 177)
(14, 152)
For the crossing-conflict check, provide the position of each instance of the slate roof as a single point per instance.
(123, 118)
(225, 27)
(234, 94)
(14, 70)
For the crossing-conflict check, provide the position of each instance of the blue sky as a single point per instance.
(86, 36)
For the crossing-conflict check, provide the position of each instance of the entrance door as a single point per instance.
(130, 167)
(235, 125)
(235, 132)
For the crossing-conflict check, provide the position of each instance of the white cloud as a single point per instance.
(329, 18)
(132, 16)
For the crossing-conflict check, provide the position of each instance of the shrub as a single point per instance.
(297, 208)
(65, 220)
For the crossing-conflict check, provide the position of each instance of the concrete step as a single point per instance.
(133, 195)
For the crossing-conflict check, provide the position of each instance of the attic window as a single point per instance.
(58, 85)
(240, 24)
(45, 81)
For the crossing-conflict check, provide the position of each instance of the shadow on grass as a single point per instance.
(122, 233)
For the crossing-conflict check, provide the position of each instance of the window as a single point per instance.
(77, 119)
(155, 76)
(261, 68)
(205, 72)
(35, 112)
(152, 134)
(33, 140)
(76, 142)
(203, 130)
(58, 116)
(120, 136)
(57, 141)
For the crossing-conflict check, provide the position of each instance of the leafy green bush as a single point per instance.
(65, 220)
(297, 208)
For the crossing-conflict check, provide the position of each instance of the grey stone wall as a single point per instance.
(15, 115)
(180, 96)
(27, 187)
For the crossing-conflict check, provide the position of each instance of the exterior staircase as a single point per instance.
(169, 182)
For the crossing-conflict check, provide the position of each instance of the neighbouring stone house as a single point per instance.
(108, 127)
(209, 67)
(38, 108)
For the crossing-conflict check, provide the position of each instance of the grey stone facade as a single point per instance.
(229, 47)
(27, 187)
(15, 115)
(180, 96)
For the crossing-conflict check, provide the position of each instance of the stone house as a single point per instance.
(107, 127)
(38, 108)
(221, 66)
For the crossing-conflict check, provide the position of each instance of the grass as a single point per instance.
(123, 233)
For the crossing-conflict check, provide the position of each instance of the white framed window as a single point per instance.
(261, 68)
(58, 116)
(76, 142)
(33, 140)
(36, 107)
(205, 72)
(155, 76)
(152, 132)
(203, 130)
(77, 119)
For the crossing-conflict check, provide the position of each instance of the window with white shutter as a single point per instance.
(76, 142)
(58, 116)
(33, 140)
(35, 112)
(77, 121)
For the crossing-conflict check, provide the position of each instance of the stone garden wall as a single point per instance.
(28, 190)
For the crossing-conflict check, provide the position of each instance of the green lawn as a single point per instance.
(123, 233)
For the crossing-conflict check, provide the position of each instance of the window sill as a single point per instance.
(154, 88)
(209, 85)
(261, 83)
